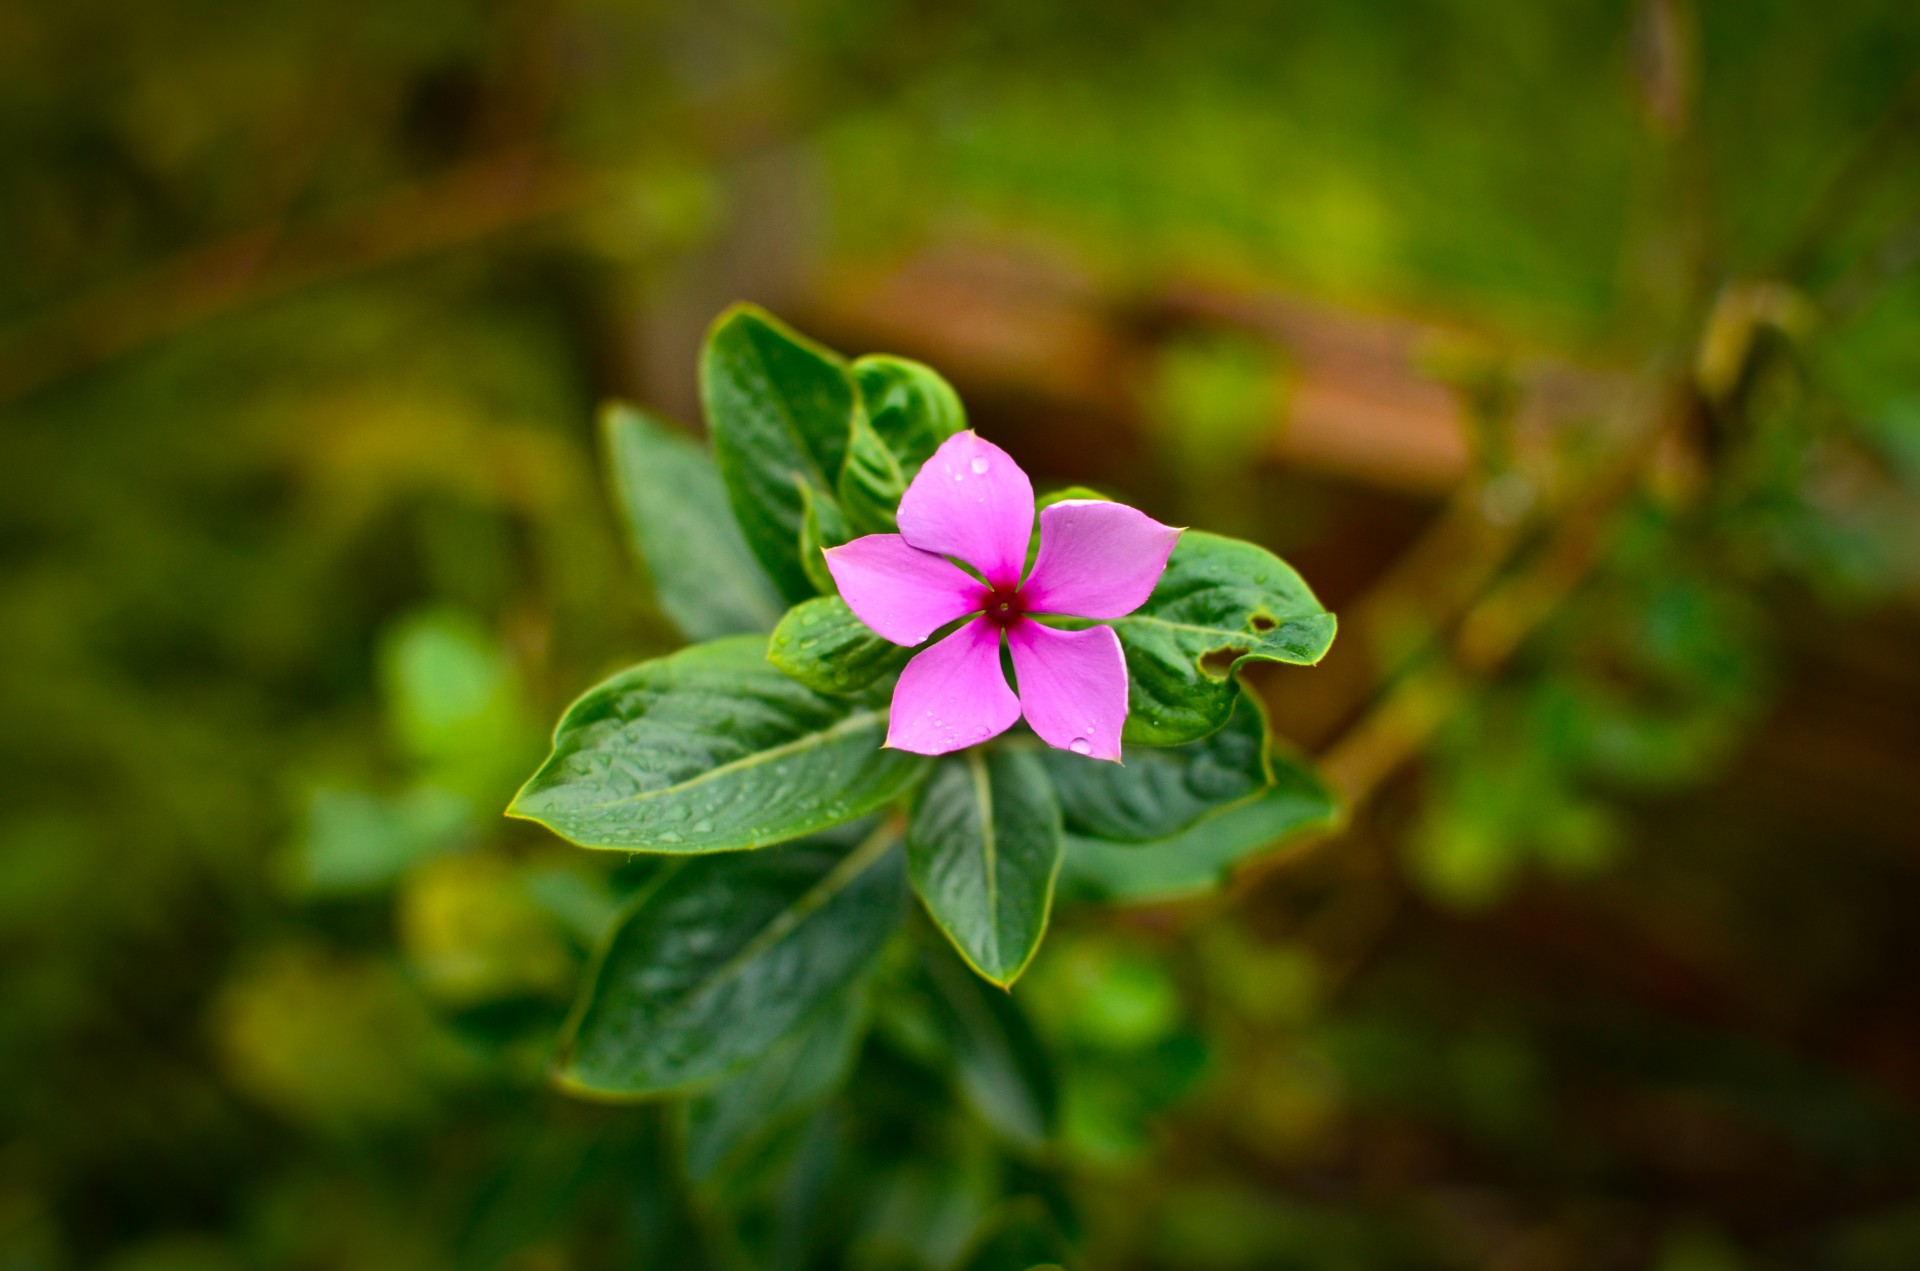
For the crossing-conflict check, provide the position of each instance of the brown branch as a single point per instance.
(473, 201)
(1513, 606)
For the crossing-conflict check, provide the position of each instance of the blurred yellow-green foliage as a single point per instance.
(304, 314)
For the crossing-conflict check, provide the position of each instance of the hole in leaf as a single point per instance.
(1262, 622)
(1216, 663)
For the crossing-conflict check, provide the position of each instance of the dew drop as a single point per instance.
(703, 827)
(669, 837)
(959, 476)
(979, 465)
(1080, 746)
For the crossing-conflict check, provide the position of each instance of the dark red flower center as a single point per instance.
(1004, 606)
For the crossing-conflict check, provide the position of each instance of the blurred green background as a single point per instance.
(1572, 351)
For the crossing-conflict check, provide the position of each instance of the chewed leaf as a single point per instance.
(1161, 791)
(1220, 604)
(821, 644)
(721, 957)
(780, 409)
(710, 750)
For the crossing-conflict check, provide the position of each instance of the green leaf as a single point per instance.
(723, 956)
(821, 644)
(908, 411)
(709, 750)
(1067, 493)
(1200, 858)
(822, 525)
(359, 842)
(1159, 792)
(983, 845)
(1018, 1235)
(780, 409)
(1221, 604)
(453, 701)
(1004, 1072)
(872, 482)
(912, 408)
(675, 509)
(728, 1125)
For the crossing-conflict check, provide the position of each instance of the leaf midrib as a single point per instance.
(989, 850)
(851, 723)
(784, 923)
(789, 422)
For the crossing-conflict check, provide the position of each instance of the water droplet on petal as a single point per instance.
(1080, 746)
(979, 465)
(959, 476)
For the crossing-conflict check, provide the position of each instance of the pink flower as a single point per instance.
(1097, 560)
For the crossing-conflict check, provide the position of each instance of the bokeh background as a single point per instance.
(1572, 351)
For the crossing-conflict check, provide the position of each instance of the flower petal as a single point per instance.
(1097, 560)
(953, 694)
(1073, 686)
(903, 593)
(971, 501)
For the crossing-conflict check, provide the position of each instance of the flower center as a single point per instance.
(1004, 607)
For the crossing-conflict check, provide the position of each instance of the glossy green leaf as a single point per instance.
(1221, 604)
(822, 525)
(821, 644)
(983, 845)
(780, 409)
(713, 749)
(728, 1124)
(1202, 857)
(984, 849)
(871, 483)
(674, 506)
(723, 956)
(911, 407)
(1002, 1068)
(1160, 791)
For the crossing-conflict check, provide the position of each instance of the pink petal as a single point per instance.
(971, 500)
(1097, 560)
(903, 593)
(953, 694)
(1073, 686)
